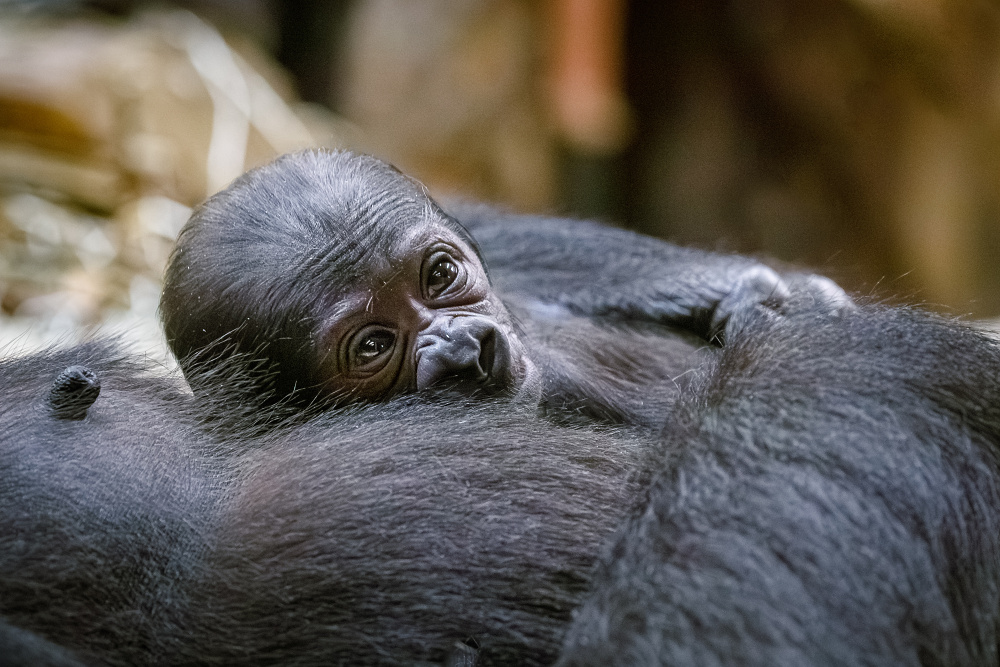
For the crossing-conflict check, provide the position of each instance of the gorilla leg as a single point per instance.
(830, 495)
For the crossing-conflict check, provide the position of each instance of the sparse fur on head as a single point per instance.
(258, 260)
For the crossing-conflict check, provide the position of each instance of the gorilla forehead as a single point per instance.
(333, 212)
(337, 213)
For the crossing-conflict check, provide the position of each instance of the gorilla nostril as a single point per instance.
(462, 352)
(487, 352)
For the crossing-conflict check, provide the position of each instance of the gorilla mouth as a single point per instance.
(487, 355)
(466, 359)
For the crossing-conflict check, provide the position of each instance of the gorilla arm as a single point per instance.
(594, 270)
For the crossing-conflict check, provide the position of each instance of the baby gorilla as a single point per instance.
(343, 276)
(346, 282)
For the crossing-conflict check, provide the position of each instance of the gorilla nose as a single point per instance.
(461, 350)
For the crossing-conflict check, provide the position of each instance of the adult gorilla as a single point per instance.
(827, 493)
(156, 531)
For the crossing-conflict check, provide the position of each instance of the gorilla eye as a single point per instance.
(369, 348)
(441, 276)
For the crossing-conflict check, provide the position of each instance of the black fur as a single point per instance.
(152, 531)
(102, 518)
(830, 496)
(257, 265)
(827, 492)
(386, 535)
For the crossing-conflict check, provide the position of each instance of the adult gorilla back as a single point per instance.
(827, 493)
(829, 496)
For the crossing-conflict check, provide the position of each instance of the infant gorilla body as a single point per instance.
(347, 283)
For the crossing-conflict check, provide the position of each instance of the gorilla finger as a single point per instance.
(818, 293)
(756, 286)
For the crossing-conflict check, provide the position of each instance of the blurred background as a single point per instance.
(857, 137)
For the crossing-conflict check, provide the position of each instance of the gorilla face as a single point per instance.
(422, 315)
(345, 279)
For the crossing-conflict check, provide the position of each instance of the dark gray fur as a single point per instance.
(102, 518)
(386, 535)
(156, 532)
(827, 493)
(253, 266)
(830, 496)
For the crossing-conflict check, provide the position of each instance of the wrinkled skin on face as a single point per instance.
(424, 315)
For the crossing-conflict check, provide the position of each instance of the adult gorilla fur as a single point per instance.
(153, 532)
(826, 491)
(102, 518)
(829, 496)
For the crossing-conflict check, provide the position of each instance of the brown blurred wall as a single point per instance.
(857, 136)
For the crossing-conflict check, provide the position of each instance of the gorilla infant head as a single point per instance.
(345, 278)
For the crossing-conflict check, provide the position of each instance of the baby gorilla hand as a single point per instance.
(756, 286)
(798, 294)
